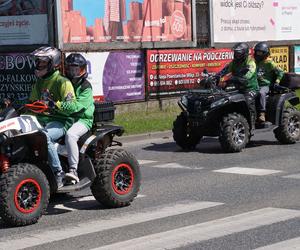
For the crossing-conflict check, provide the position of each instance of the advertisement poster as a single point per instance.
(297, 59)
(17, 76)
(175, 71)
(255, 20)
(280, 55)
(117, 76)
(23, 22)
(105, 21)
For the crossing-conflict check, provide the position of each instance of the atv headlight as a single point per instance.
(219, 103)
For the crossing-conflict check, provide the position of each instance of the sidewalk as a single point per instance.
(151, 135)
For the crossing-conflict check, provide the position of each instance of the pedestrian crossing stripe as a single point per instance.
(188, 235)
(31, 239)
(247, 171)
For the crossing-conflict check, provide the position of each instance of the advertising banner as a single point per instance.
(126, 21)
(117, 76)
(175, 71)
(297, 59)
(23, 22)
(255, 20)
(17, 76)
(280, 55)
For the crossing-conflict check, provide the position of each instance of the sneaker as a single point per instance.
(72, 176)
(262, 117)
(59, 177)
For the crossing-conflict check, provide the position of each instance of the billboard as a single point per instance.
(172, 72)
(17, 76)
(280, 55)
(126, 21)
(297, 59)
(23, 22)
(255, 20)
(117, 76)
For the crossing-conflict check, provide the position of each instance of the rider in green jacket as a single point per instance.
(76, 71)
(243, 75)
(267, 73)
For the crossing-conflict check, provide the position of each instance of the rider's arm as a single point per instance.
(227, 69)
(278, 72)
(251, 70)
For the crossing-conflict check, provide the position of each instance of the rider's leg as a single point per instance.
(262, 103)
(54, 131)
(73, 134)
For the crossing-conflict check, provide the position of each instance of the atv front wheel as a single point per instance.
(185, 136)
(118, 178)
(24, 195)
(289, 130)
(234, 133)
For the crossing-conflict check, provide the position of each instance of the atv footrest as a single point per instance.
(85, 182)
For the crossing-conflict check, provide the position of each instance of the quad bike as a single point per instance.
(214, 111)
(26, 179)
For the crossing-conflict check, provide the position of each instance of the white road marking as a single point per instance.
(248, 171)
(205, 231)
(173, 165)
(292, 244)
(77, 201)
(142, 162)
(292, 176)
(34, 239)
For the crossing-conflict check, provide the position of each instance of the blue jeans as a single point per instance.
(54, 130)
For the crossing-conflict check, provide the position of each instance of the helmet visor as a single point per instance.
(41, 62)
(259, 53)
(74, 71)
(239, 54)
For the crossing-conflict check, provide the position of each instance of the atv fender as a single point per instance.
(281, 104)
(100, 134)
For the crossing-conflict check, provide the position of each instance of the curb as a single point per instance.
(140, 137)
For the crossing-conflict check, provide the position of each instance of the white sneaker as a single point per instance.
(72, 176)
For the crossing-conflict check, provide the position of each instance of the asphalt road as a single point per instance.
(203, 199)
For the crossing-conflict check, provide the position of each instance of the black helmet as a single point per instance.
(76, 67)
(240, 52)
(261, 51)
(46, 59)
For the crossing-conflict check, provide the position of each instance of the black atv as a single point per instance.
(26, 180)
(213, 111)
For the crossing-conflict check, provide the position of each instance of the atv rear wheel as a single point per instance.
(118, 178)
(289, 130)
(24, 195)
(234, 133)
(185, 136)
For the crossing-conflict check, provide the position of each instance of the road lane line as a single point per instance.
(247, 171)
(292, 244)
(205, 231)
(292, 176)
(34, 239)
(142, 162)
(173, 165)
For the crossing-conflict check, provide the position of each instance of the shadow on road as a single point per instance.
(206, 146)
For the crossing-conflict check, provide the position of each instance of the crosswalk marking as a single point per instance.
(248, 171)
(34, 239)
(143, 162)
(173, 165)
(205, 231)
(77, 205)
(292, 176)
(292, 244)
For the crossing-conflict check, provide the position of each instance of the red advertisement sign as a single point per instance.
(175, 71)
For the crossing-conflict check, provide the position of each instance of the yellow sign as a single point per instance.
(280, 55)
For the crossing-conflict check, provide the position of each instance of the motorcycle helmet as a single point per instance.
(47, 59)
(240, 52)
(76, 67)
(261, 51)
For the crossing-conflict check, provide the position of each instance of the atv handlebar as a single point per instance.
(37, 107)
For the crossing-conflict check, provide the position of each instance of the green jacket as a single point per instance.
(268, 73)
(83, 107)
(249, 77)
(56, 88)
